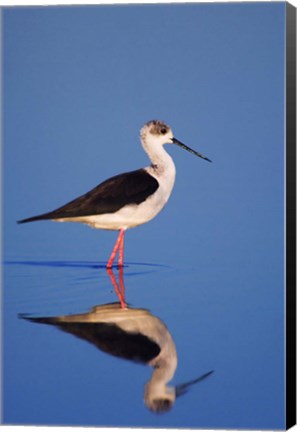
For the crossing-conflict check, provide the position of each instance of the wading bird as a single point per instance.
(133, 334)
(130, 199)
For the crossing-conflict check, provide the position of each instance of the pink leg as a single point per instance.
(121, 251)
(122, 285)
(115, 249)
(120, 291)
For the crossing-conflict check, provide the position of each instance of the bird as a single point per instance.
(133, 334)
(129, 199)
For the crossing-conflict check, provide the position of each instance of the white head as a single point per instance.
(159, 397)
(156, 133)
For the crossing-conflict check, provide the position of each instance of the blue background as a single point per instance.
(79, 82)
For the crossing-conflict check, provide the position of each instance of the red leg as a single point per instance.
(121, 281)
(115, 249)
(120, 291)
(121, 250)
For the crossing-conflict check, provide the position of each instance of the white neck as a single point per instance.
(161, 161)
(164, 368)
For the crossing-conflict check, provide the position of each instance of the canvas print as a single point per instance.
(146, 155)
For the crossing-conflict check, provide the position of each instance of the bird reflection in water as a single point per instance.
(129, 333)
(119, 288)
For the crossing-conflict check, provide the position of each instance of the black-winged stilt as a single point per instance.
(130, 199)
(132, 334)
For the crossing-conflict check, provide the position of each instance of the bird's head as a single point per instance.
(159, 397)
(156, 133)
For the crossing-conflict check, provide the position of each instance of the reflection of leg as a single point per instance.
(121, 280)
(120, 291)
(121, 251)
(115, 249)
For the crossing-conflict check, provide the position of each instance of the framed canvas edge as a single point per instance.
(290, 215)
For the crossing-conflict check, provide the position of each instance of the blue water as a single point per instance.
(79, 82)
(218, 320)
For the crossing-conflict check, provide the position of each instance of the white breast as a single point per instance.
(133, 215)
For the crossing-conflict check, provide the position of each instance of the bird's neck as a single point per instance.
(165, 363)
(161, 161)
(164, 369)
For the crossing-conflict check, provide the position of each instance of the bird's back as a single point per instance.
(108, 197)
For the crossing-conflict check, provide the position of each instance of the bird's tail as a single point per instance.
(44, 216)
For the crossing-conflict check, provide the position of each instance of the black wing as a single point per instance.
(108, 197)
(108, 337)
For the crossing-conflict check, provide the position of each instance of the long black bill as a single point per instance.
(181, 389)
(182, 145)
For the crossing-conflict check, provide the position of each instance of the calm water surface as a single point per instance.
(53, 377)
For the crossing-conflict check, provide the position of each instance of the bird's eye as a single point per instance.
(163, 131)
